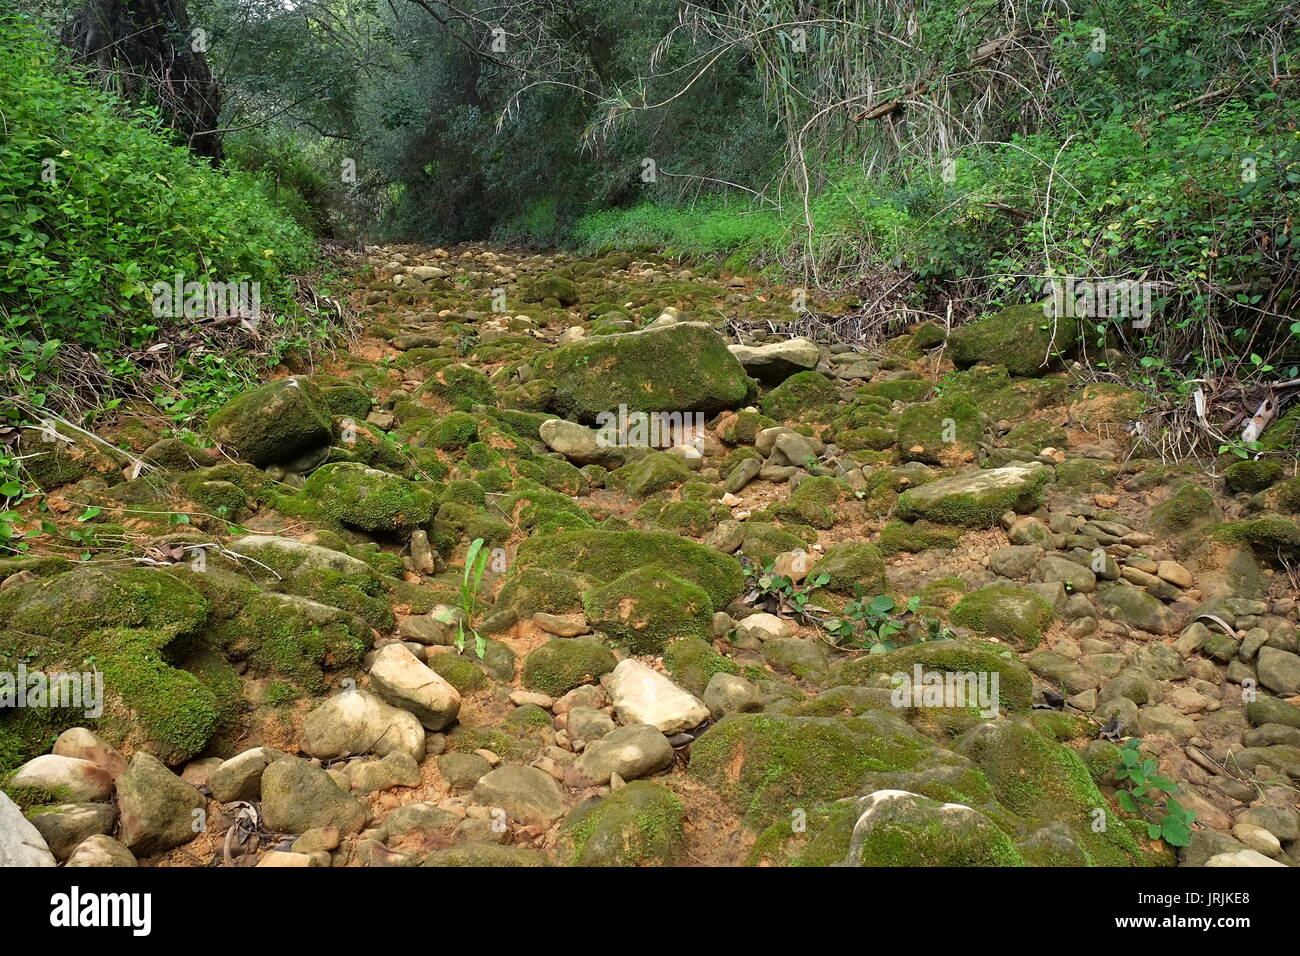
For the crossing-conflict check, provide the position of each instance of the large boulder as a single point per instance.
(157, 808)
(370, 500)
(683, 367)
(274, 422)
(645, 608)
(776, 361)
(70, 778)
(642, 695)
(976, 499)
(357, 722)
(526, 794)
(636, 825)
(1024, 338)
(401, 679)
(21, 844)
(297, 797)
(631, 752)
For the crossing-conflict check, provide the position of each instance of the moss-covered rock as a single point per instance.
(644, 608)
(684, 367)
(851, 566)
(1276, 540)
(814, 502)
(636, 825)
(1021, 337)
(692, 661)
(606, 554)
(897, 828)
(978, 498)
(1005, 611)
(369, 500)
(273, 422)
(1015, 683)
(531, 589)
(655, 472)
(899, 537)
(562, 664)
(806, 395)
(946, 431)
(1190, 507)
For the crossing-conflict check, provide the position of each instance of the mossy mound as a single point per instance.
(763, 766)
(607, 554)
(1276, 540)
(637, 825)
(562, 664)
(531, 589)
(692, 661)
(852, 566)
(458, 387)
(814, 502)
(1015, 683)
(1005, 611)
(805, 395)
(273, 422)
(644, 608)
(376, 502)
(57, 455)
(899, 537)
(655, 472)
(1021, 337)
(1252, 476)
(684, 367)
(763, 541)
(945, 431)
(1190, 507)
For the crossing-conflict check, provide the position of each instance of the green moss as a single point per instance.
(1021, 337)
(853, 567)
(763, 766)
(645, 607)
(1015, 683)
(273, 422)
(1252, 476)
(692, 661)
(1277, 540)
(635, 825)
(804, 395)
(814, 502)
(944, 431)
(743, 427)
(655, 472)
(531, 589)
(763, 541)
(1190, 507)
(555, 473)
(458, 671)
(607, 554)
(899, 537)
(897, 390)
(351, 401)
(1036, 435)
(955, 502)
(1085, 472)
(1005, 611)
(458, 386)
(562, 664)
(369, 500)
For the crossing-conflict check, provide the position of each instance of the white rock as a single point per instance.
(79, 781)
(1242, 858)
(21, 844)
(356, 722)
(399, 678)
(765, 627)
(644, 696)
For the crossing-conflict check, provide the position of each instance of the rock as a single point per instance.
(684, 367)
(631, 752)
(774, 362)
(1175, 574)
(281, 858)
(638, 824)
(157, 809)
(1024, 338)
(273, 422)
(1136, 608)
(1161, 720)
(527, 795)
(976, 499)
(851, 566)
(1005, 611)
(101, 851)
(70, 778)
(367, 499)
(765, 627)
(1077, 578)
(1241, 858)
(240, 777)
(561, 664)
(1257, 839)
(400, 679)
(396, 769)
(64, 827)
(86, 745)
(297, 797)
(1279, 671)
(588, 723)
(645, 607)
(438, 628)
(356, 722)
(462, 771)
(898, 828)
(644, 696)
(729, 694)
(745, 471)
(21, 844)
(585, 446)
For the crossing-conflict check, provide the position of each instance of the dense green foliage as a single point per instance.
(96, 205)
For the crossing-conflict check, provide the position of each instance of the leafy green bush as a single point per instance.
(96, 206)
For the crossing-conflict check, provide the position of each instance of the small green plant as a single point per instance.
(476, 559)
(873, 624)
(778, 593)
(1139, 779)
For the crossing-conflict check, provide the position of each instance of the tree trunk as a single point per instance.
(147, 48)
